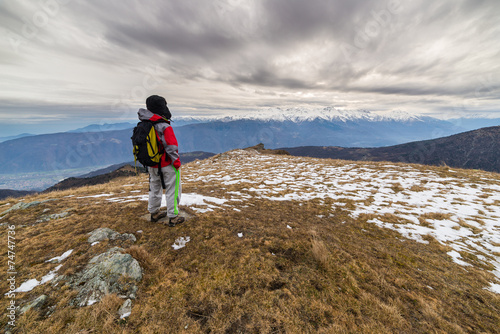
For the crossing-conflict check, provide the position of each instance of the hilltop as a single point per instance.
(275, 244)
(476, 149)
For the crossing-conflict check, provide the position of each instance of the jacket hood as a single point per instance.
(146, 115)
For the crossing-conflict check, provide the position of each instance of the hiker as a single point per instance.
(158, 113)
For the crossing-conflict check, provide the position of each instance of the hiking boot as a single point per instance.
(157, 216)
(176, 221)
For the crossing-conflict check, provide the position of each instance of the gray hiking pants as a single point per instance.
(173, 190)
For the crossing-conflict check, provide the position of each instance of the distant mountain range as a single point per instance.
(332, 114)
(96, 146)
(299, 115)
(74, 182)
(102, 175)
(103, 127)
(106, 174)
(478, 149)
(128, 125)
(185, 158)
(63, 151)
(2, 139)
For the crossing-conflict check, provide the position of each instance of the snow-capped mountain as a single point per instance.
(307, 115)
(279, 127)
(274, 127)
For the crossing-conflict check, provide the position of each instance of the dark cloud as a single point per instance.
(222, 48)
(412, 89)
(267, 78)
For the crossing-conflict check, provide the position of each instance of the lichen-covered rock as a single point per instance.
(128, 236)
(46, 218)
(110, 272)
(36, 304)
(102, 234)
(105, 233)
(23, 206)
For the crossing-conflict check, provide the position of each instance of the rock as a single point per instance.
(105, 233)
(19, 206)
(23, 206)
(36, 304)
(102, 234)
(126, 309)
(128, 236)
(50, 310)
(109, 272)
(46, 218)
(261, 149)
(59, 279)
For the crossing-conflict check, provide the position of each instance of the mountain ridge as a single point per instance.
(63, 151)
(22, 135)
(476, 149)
(298, 114)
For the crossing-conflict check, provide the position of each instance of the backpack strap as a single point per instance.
(162, 179)
(160, 136)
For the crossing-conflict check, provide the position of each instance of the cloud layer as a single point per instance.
(229, 55)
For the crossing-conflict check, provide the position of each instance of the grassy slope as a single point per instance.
(330, 273)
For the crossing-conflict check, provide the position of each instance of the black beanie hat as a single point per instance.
(158, 105)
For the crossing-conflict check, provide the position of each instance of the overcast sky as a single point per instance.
(74, 62)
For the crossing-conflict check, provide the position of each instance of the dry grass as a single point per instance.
(328, 274)
(397, 187)
(473, 228)
(433, 216)
(416, 188)
(319, 250)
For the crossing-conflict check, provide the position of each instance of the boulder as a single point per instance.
(109, 272)
(23, 206)
(20, 206)
(46, 218)
(105, 233)
(36, 304)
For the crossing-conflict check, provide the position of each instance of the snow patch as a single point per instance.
(28, 285)
(61, 258)
(125, 315)
(91, 302)
(196, 199)
(494, 288)
(180, 242)
(96, 196)
(33, 283)
(456, 258)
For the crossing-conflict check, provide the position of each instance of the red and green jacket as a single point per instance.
(166, 135)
